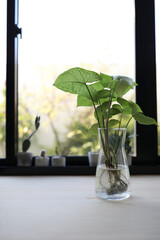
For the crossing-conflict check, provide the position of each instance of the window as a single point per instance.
(59, 40)
(145, 71)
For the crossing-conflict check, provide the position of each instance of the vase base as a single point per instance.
(115, 197)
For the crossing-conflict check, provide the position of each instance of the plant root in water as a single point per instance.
(117, 188)
(116, 184)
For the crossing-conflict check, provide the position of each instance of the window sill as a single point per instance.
(72, 170)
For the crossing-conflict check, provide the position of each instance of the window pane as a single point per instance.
(58, 35)
(2, 77)
(157, 8)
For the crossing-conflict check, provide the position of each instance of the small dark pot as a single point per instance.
(58, 161)
(24, 159)
(93, 158)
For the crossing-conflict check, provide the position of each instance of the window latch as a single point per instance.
(17, 31)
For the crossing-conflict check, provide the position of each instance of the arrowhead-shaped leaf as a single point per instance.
(135, 107)
(97, 86)
(123, 85)
(75, 81)
(124, 103)
(113, 122)
(142, 119)
(74, 77)
(105, 80)
(117, 106)
(83, 101)
(114, 111)
(127, 109)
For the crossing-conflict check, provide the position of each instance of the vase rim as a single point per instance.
(113, 128)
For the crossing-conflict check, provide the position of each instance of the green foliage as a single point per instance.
(75, 81)
(105, 80)
(123, 85)
(84, 101)
(80, 138)
(92, 88)
(61, 150)
(105, 93)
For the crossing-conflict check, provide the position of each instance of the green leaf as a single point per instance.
(97, 86)
(114, 111)
(123, 85)
(113, 83)
(83, 101)
(101, 112)
(142, 119)
(113, 122)
(26, 144)
(93, 131)
(135, 107)
(78, 75)
(93, 93)
(75, 80)
(106, 94)
(117, 106)
(103, 94)
(127, 109)
(105, 80)
(124, 103)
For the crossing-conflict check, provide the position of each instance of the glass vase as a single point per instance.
(112, 173)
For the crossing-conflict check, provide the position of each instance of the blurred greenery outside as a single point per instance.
(63, 125)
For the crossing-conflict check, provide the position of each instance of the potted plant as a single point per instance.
(24, 158)
(42, 160)
(106, 95)
(59, 160)
(93, 158)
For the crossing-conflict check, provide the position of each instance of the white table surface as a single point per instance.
(66, 208)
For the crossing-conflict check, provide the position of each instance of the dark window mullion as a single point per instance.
(146, 79)
(11, 82)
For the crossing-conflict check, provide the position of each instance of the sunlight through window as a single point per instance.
(58, 35)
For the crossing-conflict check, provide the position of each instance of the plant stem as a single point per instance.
(107, 122)
(128, 122)
(116, 147)
(102, 114)
(120, 119)
(105, 153)
(109, 106)
(94, 106)
(32, 134)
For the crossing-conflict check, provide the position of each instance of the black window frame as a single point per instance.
(147, 160)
